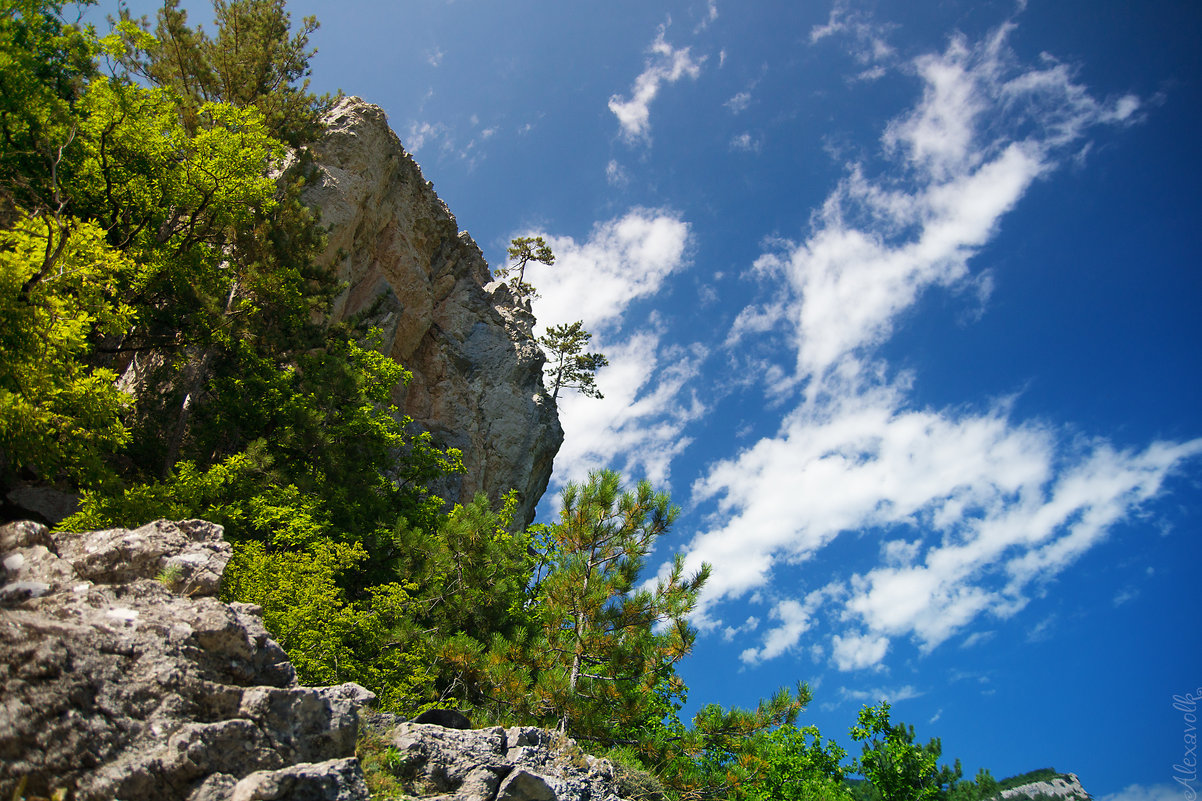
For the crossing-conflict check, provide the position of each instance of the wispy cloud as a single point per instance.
(875, 695)
(665, 65)
(615, 174)
(710, 16)
(868, 39)
(978, 509)
(1140, 792)
(739, 103)
(424, 133)
(623, 260)
(746, 143)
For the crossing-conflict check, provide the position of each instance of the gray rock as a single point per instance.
(477, 371)
(121, 677)
(496, 764)
(333, 780)
(522, 785)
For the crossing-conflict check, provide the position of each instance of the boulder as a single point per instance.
(122, 676)
(520, 763)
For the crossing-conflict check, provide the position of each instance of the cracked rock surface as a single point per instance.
(497, 764)
(122, 677)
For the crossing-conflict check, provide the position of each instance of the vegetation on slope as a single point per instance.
(151, 229)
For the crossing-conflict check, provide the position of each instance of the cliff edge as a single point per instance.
(477, 370)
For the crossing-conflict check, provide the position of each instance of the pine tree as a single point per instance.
(254, 60)
(522, 251)
(606, 649)
(568, 367)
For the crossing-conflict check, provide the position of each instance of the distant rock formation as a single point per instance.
(477, 371)
(122, 677)
(1065, 786)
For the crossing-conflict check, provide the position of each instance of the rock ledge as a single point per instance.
(122, 677)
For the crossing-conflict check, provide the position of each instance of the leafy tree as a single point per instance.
(330, 637)
(254, 60)
(471, 572)
(898, 768)
(59, 417)
(984, 786)
(796, 766)
(45, 65)
(593, 654)
(608, 646)
(569, 368)
(522, 251)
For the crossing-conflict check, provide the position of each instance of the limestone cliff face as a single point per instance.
(477, 371)
(1066, 787)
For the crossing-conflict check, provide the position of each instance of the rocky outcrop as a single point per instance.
(1065, 786)
(497, 764)
(477, 371)
(121, 677)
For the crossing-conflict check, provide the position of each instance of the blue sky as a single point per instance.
(901, 303)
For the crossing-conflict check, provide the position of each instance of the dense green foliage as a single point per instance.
(1030, 777)
(898, 768)
(165, 352)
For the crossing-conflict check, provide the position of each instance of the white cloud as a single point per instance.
(638, 427)
(857, 651)
(739, 103)
(623, 260)
(794, 620)
(991, 557)
(984, 130)
(748, 625)
(665, 65)
(746, 143)
(978, 510)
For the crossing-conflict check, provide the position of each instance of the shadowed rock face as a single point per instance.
(477, 371)
(122, 677)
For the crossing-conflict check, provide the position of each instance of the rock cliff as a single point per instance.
(477, 371)
(121, 677)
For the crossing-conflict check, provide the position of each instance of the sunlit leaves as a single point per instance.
(59, 416)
